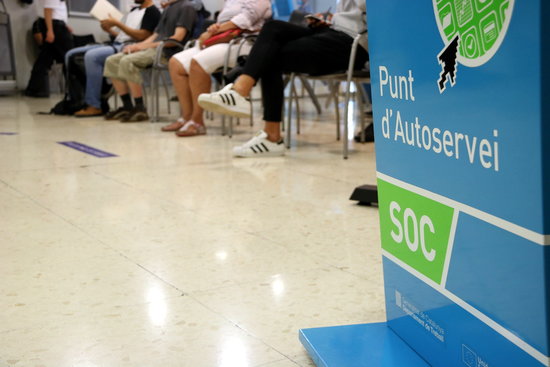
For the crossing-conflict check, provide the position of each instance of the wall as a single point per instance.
(213, 5)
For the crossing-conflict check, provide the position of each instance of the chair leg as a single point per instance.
(286, 80)
(335, 86)
(311, 93)
(297, 101)
(289, 109)
(166, 91)
(153, 88)
(251, 115)
(346, 122)
(146, 99)
(361, 98)
(157, 96)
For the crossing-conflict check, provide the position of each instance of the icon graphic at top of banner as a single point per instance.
(472, 31)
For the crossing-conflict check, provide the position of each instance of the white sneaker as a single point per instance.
(259, 146)
(226, 101)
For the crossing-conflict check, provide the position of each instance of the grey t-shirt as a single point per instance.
(182, 13)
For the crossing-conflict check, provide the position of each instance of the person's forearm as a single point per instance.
(48, 19)
(226, 26)
(137, 34)
(149, 42)
(149, 45)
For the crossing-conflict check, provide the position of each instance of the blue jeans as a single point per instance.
(94, 60)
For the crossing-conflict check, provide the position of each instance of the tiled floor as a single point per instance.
(173, 253)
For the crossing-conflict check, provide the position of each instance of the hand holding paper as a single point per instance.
(109, 22)
(103, 10)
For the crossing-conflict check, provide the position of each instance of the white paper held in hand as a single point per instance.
(102, 9)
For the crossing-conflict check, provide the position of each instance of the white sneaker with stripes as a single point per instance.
(259, 146)
(226, 101)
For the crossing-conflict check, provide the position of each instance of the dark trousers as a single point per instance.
(50, 52)
(283, 47)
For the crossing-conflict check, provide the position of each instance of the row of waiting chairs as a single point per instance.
(350, 76)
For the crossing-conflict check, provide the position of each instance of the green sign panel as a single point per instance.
(415, 229)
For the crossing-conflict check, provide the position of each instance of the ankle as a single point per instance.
(242, 92)
(274, 138)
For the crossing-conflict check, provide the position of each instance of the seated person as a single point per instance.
(56, 41)
(124, 68)
(190, 69)
(282, 47)
(137, 26)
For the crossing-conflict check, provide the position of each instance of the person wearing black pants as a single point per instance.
(281, 48)
(57, 41)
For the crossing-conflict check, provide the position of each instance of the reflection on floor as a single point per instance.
(172, 253)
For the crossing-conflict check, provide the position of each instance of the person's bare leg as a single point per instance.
(135, 90)
(199, 82)
(180, 80)
(244, 84)
(273, 131)
(120, 86)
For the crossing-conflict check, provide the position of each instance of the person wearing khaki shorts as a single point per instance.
(124, 68)
(129, 66)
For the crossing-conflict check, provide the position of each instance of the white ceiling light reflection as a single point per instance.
(157, 306)
(277, 286)
(234, 354)
(221, 255)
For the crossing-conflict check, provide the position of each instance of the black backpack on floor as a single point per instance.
(75, 75)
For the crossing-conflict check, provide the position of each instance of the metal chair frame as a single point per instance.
(158, 72)
(351, 75)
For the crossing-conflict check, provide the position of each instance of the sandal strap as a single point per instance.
(198, 127)
(187, 125)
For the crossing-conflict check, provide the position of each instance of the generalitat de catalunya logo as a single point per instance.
(472, 31)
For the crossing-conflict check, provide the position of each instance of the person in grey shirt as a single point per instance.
(124, 68)
(322, 48)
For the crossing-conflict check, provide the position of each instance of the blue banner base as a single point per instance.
(363, 345)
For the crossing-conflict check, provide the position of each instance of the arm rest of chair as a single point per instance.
(353, 53)
(241, 40)
(163, 44)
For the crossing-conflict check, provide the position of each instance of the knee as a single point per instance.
(92, 57)
(271, 27)
(196, 67)
(176, 67)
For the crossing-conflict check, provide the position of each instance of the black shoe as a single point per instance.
(369, 134)
(117, 114)
(136, 115)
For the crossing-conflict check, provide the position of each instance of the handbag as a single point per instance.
(223, 37)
